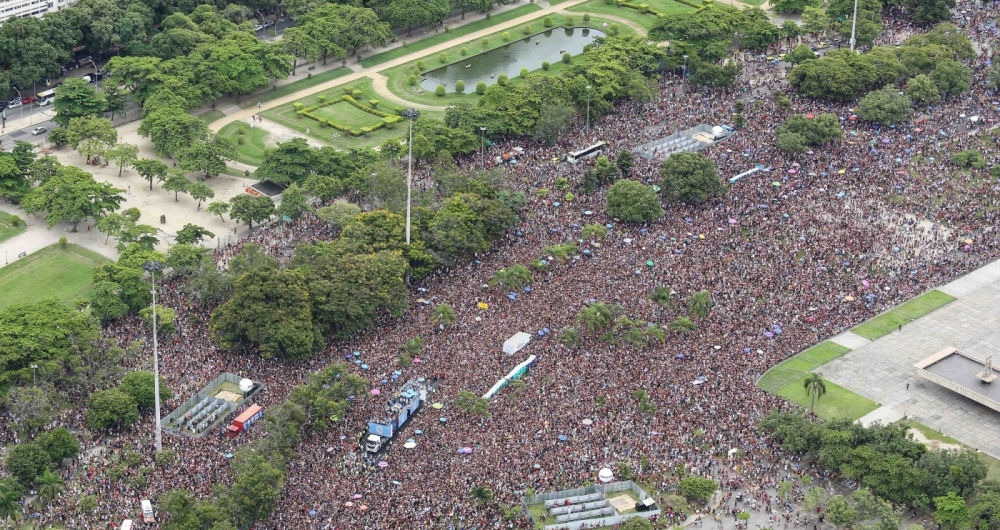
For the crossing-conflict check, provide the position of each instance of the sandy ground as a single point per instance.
(277, 133)
(933, 444)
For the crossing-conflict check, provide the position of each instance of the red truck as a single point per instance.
(245, 420)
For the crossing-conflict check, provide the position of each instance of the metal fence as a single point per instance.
(611, 487)
(172, 423)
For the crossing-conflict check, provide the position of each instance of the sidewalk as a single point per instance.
(37, 237)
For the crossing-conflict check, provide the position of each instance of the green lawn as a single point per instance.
(212, 115)
(308, 80)
(890, 321)
(7, 229)
(346, 114)
(251, 152)
(992, 463)
(801, 364)
(838, 402)
(756, 3)
(399, 75)
(50, 272)
(645, 19)
(285, 115)
(446, 36)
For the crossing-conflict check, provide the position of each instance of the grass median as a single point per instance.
(891, 320)
(668, 7)
(65, 274)
(7, 227)
(251, 151)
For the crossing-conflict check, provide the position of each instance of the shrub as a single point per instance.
(390, 121)
(569, 20)
(505, 36)
(347, 91)
(412, 80)
(481, 88)
(58, 137)
(439, 91)
(569, 196)
(373, 103)
(296, 106)
(356, 93)
(485, 42)
(62, 242)
(459, 86)
(502, 80)
(322, 98)
(545, 65)
(524, 72)
(464, 51)
(567, 57)
(443, 57)
(547, 22)
(15, 220)
(613, 29)
(586, 16)
(240, 140)
(526, 29)
(421, 66)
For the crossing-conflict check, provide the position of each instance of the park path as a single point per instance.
(380, 84)
(245, 114)
(639, 28)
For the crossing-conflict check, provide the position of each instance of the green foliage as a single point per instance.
(139, 385)
(440, 91)
(800, 54)
(922, 90)
(632, 201)
(481, 88)
(545, 65)
(442, 315)
(682, 325)
(970, 158)
(256, 489)
(951, 511)
(697, 489)
(885, 106)
(595, 317)
(566, 58)
(514, 278)
(502, 80)
(569, 337)
(112, 407)
(443, 57)
(799, 133)
(569, 20)
(72, 195)
(547, 22)
(459, 86)
(324, 397)
(463, 51)
(594, 232)
(690, 178)
(26, 461)
(700, 304)
(472, 403)
(524, 72)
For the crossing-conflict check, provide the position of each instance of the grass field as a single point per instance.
(347, 114)
(598, 7)
(992, 463)
(50, 272)
(838, 402)
(7, 229)
(890, 321)
(211, 115)
(446, 36)
(305, 82)
(800, 365)
(252, 150)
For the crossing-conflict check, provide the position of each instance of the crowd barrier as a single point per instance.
(516, 373)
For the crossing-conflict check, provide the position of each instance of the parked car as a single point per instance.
(46, 101)
(28, 100)
(257, 27)
(39, 130)
(14, 103)
(89, 78)
(269, 23)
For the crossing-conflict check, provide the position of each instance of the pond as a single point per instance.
(529, 53)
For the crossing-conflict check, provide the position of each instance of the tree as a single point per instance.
(633, 201)
(594, 232)
(800, 54)
(188, 513)
(957, 471)
(112, 407)
(219, 208)
(171, 129)
(553, 121)
(256, 490)
(209, 155)
(637, 523)
(662, 296)
(139, 385)
(472, 403)
(72, 195)
(594, 318)
(815, 19)
(294, 203)
(841, 512)
(922, 90)
(697, 489)
(13, 182)
(176, 182)
(29, 407)
(984, 514)
(515, 278)
(951, 511)
(291, 161)
(690, 178)
(481, 494)
(339, 214)
(700, 304)
(270, 311)
(569, 337)
(192, 235)
(929, 11)
(125, 155)
(682, 325)
(200, 191)
(10, 493)
(442, 315)
(59, 444)
(77, 99)
(325, 187)
(624, 162)
(248, 209)
(49, 486)
(799, 133)
(150, 168)
(790, 29)
(885, 106)
(951, 77)
(815, 388)
(794, 6)
(26, 461)
(91, 135)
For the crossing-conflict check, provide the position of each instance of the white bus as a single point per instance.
(147, 511)
(46, 94)
(127, 524)
(574, 156)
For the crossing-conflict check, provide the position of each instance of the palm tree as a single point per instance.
(663, 297)
(815, 387)
(682, 325)
(594, 318)
(443, 315)
(49, 485)
(481, 494)
(700, 304)
(515, 277)
(570, 338)
(9, 507)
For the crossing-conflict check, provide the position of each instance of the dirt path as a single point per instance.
(639, 28)
(932, 444)
(381, 85)
(277, 133)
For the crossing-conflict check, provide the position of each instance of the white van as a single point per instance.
(147, 511)
(127, 524)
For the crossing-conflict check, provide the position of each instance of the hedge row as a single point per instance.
(644, 8)
(387, 119)
(369, 110)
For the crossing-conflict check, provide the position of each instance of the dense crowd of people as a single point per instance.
(792, 254)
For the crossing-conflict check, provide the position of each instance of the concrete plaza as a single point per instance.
(882, 370)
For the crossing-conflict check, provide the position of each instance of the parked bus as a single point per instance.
(46, 94)
(574, 156)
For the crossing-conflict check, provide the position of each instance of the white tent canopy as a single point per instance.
(516, 342)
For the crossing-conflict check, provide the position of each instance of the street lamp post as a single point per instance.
(482, 142)
(153, 267)
(854, 25)
(412, 114)
(685, 71)
(588, 107)
(34, 371)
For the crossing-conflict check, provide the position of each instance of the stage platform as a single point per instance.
(959, 372)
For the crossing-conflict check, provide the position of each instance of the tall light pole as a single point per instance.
(685, 70)
(34, 370)
(412, 114)
(854, 25)
(588, 107)
(482, 142)
(153, 267)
